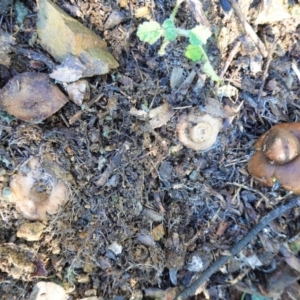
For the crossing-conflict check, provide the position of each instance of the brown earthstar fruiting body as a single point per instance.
(277, 157)
(198, 131)
(39, 189)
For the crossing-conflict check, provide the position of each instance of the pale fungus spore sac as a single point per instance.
(277, 157)
(198, 131)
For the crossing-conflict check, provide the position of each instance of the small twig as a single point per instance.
(230, 57)
(295, 69)
(249, 30)
(199, 15)
(86, 106)
(249, 189)
(275, 213)
(113, 164)
(265, 74)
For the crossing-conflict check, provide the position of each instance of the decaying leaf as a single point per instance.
(44, 290)
(78, 91)
(6, 40)
(17, 260)
(114, 19)
(62, 35)
(88, 63)
(274, 11)
(39, 188)
(31, 97)
(227, 91)
(177, 77)
(160, 115)
(214, 107)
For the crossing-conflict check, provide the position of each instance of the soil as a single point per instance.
(147, 215)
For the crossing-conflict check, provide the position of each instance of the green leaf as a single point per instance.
(195, 53)
(209, 71)
(170, 31)
(149, 32)
(199, 35)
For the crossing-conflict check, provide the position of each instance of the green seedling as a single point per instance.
(151, 31)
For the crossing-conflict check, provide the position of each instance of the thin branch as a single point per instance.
(275, 213)
(249, 30)
(265, 74)
(230, 57)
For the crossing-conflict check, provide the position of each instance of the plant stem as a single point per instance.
(182, 32)
(175, 9)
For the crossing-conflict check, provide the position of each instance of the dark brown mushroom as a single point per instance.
(277, 157)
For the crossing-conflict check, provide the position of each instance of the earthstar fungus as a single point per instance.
(198, 131)
(277, 157)
(39, 188)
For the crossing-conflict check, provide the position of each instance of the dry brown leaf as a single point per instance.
(214, 108)
(89, 63)
(31, 97)
(62, 35)
(160, 115)
(78, 91)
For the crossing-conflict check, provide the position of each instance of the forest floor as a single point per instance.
(147, 214)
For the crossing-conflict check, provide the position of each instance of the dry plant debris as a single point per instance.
(276, 11)
(31, 97)
(78, 91)
(17, 260)
(45, 290)
(31, 231)
(198, 131)
(82, 52)
(6, 42)
(38, 188)
(277, 157)
(149, 212)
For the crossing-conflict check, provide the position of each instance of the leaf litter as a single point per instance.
(131, 179)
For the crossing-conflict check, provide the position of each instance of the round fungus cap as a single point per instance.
(198, 131)
(277, 157)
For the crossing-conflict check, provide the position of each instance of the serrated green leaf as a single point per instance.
(194, 52)
(170, 31)
(149, 32)
(199, 35)
(209, 71)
